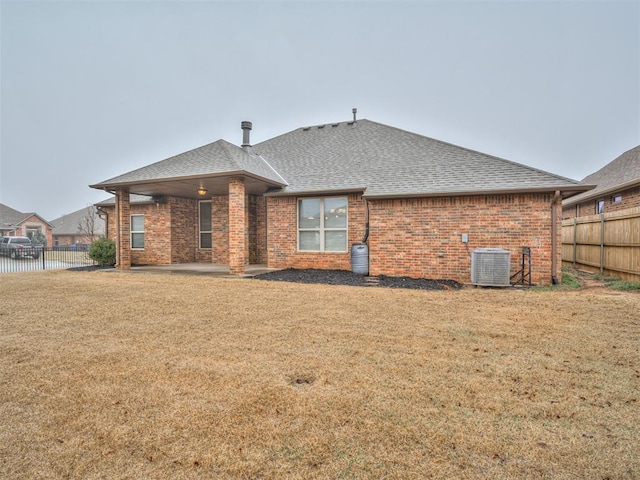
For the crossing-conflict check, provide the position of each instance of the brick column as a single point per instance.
(123, 232)
(238, 232)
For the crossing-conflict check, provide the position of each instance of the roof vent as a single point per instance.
(246, 132)
(354, 111)
(490, 267)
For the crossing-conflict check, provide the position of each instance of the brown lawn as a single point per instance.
(122, 375)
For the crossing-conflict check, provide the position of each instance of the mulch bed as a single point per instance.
(89, 268)
(343, 277)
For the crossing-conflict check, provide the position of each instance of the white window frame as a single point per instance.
(322, 229)
(200, 231)
(136, 232)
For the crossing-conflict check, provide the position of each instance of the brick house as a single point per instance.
(81, 227)
(18, 224)
(617, 188)
(302, 199)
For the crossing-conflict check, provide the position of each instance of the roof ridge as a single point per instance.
(346, 122)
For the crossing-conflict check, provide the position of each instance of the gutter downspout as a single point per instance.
(366, 224)
(117, 230)
(554, 241)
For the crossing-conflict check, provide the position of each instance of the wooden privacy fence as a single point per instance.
(608, 243)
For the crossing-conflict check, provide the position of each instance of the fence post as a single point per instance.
(44, 252)
(575, 240)
(601, 243)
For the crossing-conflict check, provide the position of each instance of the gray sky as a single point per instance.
(93, 89)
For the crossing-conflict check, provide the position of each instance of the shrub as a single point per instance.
(103, 251)
(39, 238)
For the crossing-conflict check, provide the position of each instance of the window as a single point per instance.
(322, 224)
(33, 231)
(204, 224)
(600, 206)
(616, 198)
(137, 231)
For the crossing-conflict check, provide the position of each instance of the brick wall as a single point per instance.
(630, 199)
(422, 237)
(257, 229)
(238, 232)
(123, 250)
(282, 236)
(183, 240)
(168, 231)
(172, 235)
(34, 222)
(157, 235)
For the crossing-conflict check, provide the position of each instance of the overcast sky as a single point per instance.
(94, 89)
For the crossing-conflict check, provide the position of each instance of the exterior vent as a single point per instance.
(490, 267)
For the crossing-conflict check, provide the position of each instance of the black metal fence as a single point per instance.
(48, 259)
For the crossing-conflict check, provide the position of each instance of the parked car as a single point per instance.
(19, 247)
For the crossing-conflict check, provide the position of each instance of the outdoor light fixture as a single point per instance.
(202, 191)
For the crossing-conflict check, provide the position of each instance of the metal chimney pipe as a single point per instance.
(246, 129)
(355, 110)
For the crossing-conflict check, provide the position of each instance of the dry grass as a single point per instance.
(117, 375)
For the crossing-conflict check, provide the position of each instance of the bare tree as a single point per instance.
(87, 224)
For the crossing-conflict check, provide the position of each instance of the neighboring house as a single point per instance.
(19, 224)
(302, 199)
(78, 228)
(617, 188)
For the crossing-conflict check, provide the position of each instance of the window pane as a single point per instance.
(137, 240)
(309, 213)
(309, 241)
(335, 213)
(205, 216)
(205, 240)
(137, 223)
(335, 241)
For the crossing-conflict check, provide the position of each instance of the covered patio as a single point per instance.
(209, 269)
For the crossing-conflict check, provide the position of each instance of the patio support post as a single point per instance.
(123, 246)
(237, 226)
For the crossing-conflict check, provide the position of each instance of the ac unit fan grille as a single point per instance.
(490, 267)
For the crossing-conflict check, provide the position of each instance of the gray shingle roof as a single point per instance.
(70, 224)
(218, 158)
(111, 201)
(365, 156)
(621, 173)
(10, 217)
(386, 161)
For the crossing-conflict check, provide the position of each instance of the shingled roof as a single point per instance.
(70, 224)
(620, 174)
(11, 218)
(363, 156)
(384, 161)
(217, 158)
